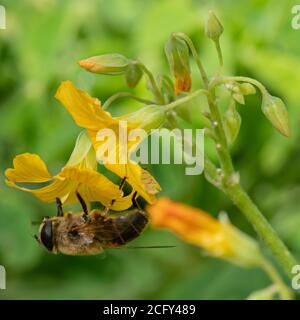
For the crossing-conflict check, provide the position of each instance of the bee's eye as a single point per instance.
(46, 235)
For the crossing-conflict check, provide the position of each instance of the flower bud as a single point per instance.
(110, 64)
(236, 92)
(276, 112)
(133, 74)
(213, 27)
(232, 124)
(247, 88)
(177, 53)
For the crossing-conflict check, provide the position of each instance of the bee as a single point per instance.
(89, 233)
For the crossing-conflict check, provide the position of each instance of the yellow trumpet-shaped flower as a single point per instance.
(78, 175)
(87, 113)
(217, 238)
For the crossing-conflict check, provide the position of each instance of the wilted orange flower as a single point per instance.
(218, 238)
(182, 83)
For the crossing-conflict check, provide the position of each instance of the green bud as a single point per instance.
(111, 64)
(213, 27)
(276, 112)
(232, 124)
(133, 74)
(177, 53)
(236, 92)
(238, 97)
(247, 88)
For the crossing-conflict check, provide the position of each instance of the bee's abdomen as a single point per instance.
(129, 226)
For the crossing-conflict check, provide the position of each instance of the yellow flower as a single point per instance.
(78, 175)
(218, 238)
(87, 113)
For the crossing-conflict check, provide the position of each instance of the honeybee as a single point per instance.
(89, 233)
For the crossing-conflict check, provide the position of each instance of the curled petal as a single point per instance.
(85, 110)
(59, 188)
(28, 167)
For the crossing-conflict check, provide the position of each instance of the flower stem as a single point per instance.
(283, 290)
(241, 199)
(178, 102)
(218, 48)
(118, 95)
(235, 192)
(156, 91)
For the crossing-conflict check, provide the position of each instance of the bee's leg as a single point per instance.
(60, 212)
(122, 183)
(134, 200)
(84, 207)
(106, 209)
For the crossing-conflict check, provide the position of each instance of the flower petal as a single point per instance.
(28, 167)
(85, 110)
(59, 188)
(92, 185)
(123, 203)
(138, 178)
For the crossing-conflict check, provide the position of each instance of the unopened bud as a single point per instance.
(133, 74)
(236, 92)
(111, 64)
(276, 112)
(213, 27)
(177, 53)
(232, 123)
(247, 89)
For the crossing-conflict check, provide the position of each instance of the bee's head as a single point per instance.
(45, 236)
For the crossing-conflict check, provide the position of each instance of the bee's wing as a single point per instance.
(107, 230)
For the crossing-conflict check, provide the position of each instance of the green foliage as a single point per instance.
(41, 46)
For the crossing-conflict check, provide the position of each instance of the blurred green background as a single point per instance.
(40, 47)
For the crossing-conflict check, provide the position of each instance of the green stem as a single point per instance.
(222, 80)
(235, 191)
(218, 48)
(156, 91)
(222, 146)
(241, 199)
(283, 290)
(119, 95)
(178, 102)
